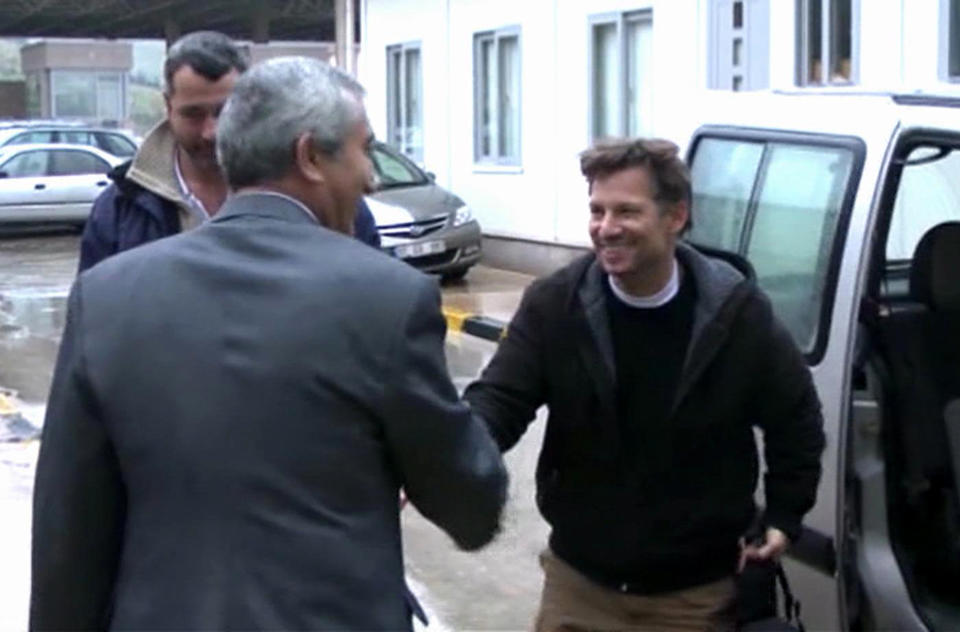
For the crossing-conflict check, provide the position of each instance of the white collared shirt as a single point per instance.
(196, 208)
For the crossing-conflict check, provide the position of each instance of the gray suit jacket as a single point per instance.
(232, 414)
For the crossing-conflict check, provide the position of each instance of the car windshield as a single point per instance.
(393, 170)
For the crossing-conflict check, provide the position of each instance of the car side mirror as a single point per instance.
(431, 176)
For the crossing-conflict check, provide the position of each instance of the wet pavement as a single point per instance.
(495, 589)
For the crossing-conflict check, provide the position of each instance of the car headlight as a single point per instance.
(462, 215)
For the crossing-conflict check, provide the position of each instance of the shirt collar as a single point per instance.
(196, 207)
(658, 299)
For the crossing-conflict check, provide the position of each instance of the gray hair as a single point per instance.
(272, 105)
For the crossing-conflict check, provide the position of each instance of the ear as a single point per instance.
(166, 102)
(679, 216)
(307, 160)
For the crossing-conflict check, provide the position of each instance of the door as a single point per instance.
(903, 500)
(784, 201)
(51, 185)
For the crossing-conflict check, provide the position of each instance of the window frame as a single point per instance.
(947, 39)
(495, 159)
(23, 154)
(858, 150)
(619, 19)
(826, 53)
(58, 75)
(52, 161)
(401, 50)
(753, 71)
(907, 141)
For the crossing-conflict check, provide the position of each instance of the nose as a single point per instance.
(372, 180)
(209, 132)
(609, 226)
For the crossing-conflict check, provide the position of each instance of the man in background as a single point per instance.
(174, 182)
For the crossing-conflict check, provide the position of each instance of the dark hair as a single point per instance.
(661, 158)
(208, 53)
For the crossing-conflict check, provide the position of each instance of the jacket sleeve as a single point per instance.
(365, 226)
(790, 417)
(99, 239)
(511, 388)
(78, 502)
(451, 468)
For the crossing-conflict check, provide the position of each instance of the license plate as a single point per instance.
(420, 249)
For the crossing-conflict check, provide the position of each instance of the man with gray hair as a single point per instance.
(174, 183)
(235, 464)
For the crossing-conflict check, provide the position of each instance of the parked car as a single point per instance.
(420, 222)
(32, 132)
(51, 182)
(848, 207)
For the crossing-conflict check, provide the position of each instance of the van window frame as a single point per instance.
(907, 141)
(858, 150)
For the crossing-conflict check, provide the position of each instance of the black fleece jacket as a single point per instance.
(670, 519)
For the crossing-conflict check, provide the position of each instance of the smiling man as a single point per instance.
(656, 360)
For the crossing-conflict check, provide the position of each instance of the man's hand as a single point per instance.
(775, 542)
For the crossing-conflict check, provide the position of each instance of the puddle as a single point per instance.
(39, 313)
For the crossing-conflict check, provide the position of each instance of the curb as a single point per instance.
(480, 326)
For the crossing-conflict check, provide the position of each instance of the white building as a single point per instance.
(497, 97)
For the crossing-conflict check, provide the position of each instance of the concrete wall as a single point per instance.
(13, 99)
(544, 198)
(324, 51)
(79, 54)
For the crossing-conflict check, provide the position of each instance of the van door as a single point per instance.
(902, 538)
(784, 201)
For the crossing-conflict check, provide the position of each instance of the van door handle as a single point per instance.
(102, 183)
(39, 186)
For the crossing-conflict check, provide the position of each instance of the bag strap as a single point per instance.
(791, 605)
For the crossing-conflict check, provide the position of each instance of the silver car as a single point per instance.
(111, 141)
(51, 182)
(420, 222)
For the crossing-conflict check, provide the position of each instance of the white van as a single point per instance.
(830, 196)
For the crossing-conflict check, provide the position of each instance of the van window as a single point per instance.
(929, 194)
(723, 176)
(778, 204)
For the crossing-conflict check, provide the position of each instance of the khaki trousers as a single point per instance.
(572, 603)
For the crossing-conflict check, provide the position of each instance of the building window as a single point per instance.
(405, 99)
(950, 40)
(496, 71)
(739, 44)
(827, 37)
(94, 96)
(621, 74)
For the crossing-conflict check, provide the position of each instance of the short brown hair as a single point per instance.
(670, 175)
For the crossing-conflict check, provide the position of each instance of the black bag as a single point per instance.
(757, 608)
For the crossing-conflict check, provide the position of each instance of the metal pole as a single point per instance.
(346, 35)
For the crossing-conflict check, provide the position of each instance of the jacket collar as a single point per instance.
(152, 167)
(265, 204)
